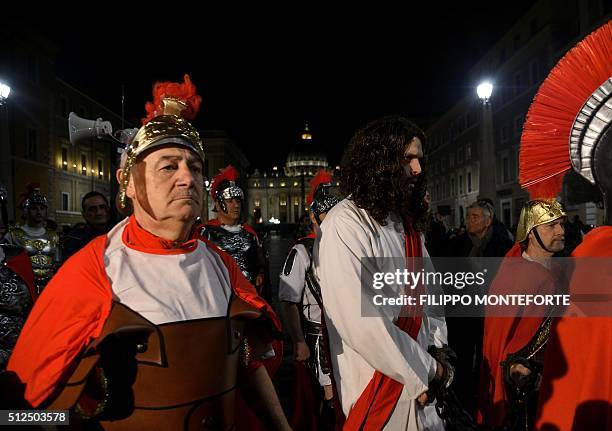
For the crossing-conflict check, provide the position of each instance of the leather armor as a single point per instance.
(178, 375)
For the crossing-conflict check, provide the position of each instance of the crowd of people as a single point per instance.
(164, 322)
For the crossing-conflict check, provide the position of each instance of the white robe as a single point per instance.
(361, 345)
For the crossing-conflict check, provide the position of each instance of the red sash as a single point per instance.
(377, 401)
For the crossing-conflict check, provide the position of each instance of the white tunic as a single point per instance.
(167, 287)
(292, 287)
(361, 345)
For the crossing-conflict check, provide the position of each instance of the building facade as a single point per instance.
(34, 144)
(280, 195)
(516, 65)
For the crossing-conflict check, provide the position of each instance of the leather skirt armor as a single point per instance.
(175, 376)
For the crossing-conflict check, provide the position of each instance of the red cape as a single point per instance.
(505, 335)
(74, 306)
(576, 391)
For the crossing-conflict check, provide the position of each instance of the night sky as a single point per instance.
(262, 72)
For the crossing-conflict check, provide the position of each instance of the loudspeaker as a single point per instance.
(81, 129)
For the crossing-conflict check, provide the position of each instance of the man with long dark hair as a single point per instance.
(384, 375)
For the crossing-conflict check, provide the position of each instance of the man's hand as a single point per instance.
(259, 280)
(519, 373)
(301, 351)
(423, 399)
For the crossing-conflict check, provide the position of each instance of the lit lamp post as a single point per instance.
(486, 150)
(5, 90)
(6, 172)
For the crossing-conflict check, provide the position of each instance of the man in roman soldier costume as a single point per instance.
(514, 346)
(40, 242)
(300, 293)
(151, 326)
(17, 290)
(383, 372)
(568, 126)
(237, 239)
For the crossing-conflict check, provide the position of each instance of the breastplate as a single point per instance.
(239, 245)
(41, 250)
(184, 373)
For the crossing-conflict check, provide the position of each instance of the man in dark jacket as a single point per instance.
(483, 238)
(96, 214)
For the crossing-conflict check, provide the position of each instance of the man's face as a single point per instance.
(167, 184)
(552, 235)
(232, 215)
(477, 221)
(411, 159)
(37, 213)
(95, 211)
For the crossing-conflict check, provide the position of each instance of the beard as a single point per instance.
(408, 196)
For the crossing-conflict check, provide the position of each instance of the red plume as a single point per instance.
(185, 91)
(322, 177)
(544, 153)
(228, 173)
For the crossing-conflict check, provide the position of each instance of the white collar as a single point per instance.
(34, 231)
(544, 261)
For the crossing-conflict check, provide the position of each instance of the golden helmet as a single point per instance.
(535, 213)
(166, 123)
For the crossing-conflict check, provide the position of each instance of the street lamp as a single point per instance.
(5, 90)
(486, 179)
(484, 91)
(6, 165)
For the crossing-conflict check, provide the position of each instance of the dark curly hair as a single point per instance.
(373, 176)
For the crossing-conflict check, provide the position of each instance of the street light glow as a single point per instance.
(484, 90)
(5, 90)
